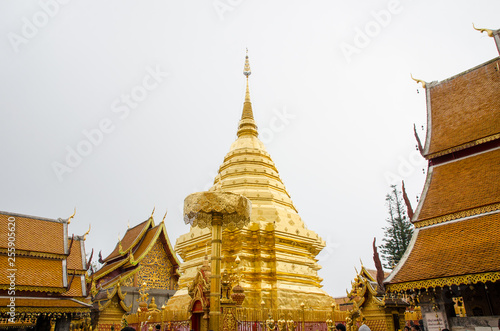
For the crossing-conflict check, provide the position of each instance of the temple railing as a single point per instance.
(249, 319)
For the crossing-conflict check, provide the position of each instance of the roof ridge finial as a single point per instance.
(488, 31)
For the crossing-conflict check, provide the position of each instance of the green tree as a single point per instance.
(398, 233)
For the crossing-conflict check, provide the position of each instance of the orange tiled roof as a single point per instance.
(450, 249)
(463, 184)
(130, 238)
(147, 241)
(464, 108)
(108, 267)
(75, 260)
(76, 287)
(28, 230)
(33, 272)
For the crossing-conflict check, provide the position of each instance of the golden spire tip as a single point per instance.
(246, 69)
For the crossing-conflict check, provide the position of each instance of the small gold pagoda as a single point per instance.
(277, 251)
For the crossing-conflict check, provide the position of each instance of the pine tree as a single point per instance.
(398, 233)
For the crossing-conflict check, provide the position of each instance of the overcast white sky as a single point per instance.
(339, 70)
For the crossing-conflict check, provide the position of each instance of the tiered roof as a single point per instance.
(50, 267)
(457, 219)
(126, 258)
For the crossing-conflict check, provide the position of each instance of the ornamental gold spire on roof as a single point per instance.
(247, 124)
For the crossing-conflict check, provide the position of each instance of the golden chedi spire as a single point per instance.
(276, 249)
(247, 125)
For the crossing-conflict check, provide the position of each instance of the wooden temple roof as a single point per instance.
(136, 244)
(463, 110)
(130, 239)
(457, 219)
(451, 253)
(76, 260)
(50, 267)
(460, 188)
(34, 234)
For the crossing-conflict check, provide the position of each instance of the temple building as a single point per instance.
(142, 258)
(453, 256)
(42, 277)
(367, 304)
(277, 251)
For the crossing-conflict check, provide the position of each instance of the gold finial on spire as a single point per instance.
(166, 211)
(418, 81)
(246, 70)
(152, 213)
(69, 219)
(488, 31)
(247, 124)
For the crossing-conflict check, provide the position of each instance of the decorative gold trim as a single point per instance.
(448, 281)
(120, 248)
(124, 306)
(463, 146)
(71, 217)
(86, 233)
(454, 216)
(47, 310)
(119, 264)
(23, 253)
(137, 238)
(122, 278)
(35, 288)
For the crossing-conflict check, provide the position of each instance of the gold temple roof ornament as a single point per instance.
(71, 217)
(488, 31)
(424, 84)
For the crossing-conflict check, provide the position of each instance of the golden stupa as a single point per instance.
(277, 252)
